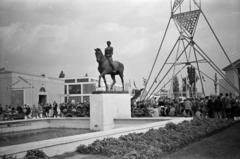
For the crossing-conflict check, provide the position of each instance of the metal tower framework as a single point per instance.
(186, 24)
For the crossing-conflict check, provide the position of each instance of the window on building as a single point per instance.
(82, 80)
(65, 89)
(69, 80)
(74, 89)
(94, 80)
(86, 99)
(88, 88)
(75, 99)
(17, 97)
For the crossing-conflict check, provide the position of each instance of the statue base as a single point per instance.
(106, 106)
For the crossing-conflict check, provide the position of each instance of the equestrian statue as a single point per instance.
(106, 65)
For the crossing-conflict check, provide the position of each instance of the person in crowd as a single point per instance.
(217, 107)
(223, 110)
(160, 102)
(153, 111)
(1, 109)
(237, 109)
(63, 109)
(13, 113)
(44, 112)
(1, 112)
(50, 111)
(228, 107)
(167, 108)
(46, 109)
(19, 109)
(198, 114)
(172, 111)
(9, 109)
(233, 106)
(188, 107)
(194, 106)
(34, 111)
(25, 111)
(58, 111)
(162, 111)
(28, 112)
(210, 107)
(177, 107)
(40, 111)
(202, 107)
(55, 107)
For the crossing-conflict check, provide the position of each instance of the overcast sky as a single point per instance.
(47, 36)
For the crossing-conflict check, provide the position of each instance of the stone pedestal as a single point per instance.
(106, 106)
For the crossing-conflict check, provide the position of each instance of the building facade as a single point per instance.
(78, 90)
(18, 88)
(231, 75)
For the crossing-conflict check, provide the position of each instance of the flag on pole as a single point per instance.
(144, 82)
(134, 84)
(129, 83)
(215, 83)
(215, 79)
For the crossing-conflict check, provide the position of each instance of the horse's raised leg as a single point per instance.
(114, 81)
(122, 80)
(99, 81)
(105, 82)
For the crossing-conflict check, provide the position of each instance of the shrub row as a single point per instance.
(35, 154)
(155, 142)
(31, 154)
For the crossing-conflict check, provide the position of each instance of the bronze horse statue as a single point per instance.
(105, 68)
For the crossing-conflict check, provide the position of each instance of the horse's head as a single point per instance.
(99, 54)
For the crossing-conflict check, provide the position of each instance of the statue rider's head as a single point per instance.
(108, 43)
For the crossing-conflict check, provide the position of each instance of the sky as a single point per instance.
(47, 36)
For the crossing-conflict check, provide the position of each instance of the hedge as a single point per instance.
(155, 142)
(31, 154)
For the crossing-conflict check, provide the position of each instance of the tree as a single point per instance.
(191, 75)
(175, 86)
(184, 86)
(61, 75)
(192, 79)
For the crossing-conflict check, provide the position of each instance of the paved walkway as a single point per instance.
(78, 156)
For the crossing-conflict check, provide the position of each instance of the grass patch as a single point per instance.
(223, 145)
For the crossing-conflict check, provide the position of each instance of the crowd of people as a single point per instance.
(44, 111)
(222, 106)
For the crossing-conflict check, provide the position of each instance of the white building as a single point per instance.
(79, 89)
(18, 88)
(231, 74)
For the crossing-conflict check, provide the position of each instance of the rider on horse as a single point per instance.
(108, 55)
(107, 66)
